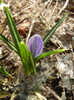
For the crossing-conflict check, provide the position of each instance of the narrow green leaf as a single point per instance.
(49, 53)
(32, 63)
(10, 44)
(24, 55)
(3, 71)
(1, 1)
(15, 34)
(14, 25)
(51, 32)
(27, 59)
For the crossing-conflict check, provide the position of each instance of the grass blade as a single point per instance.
(10, 44)
(49, 53)
(32, 63)
(51, 32)
(14, 25)
(3, 71)
(15, 34)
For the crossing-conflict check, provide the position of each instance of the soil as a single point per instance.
(55, 73)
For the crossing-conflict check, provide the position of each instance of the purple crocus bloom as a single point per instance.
(35, 45)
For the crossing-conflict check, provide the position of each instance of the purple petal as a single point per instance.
(35, 45)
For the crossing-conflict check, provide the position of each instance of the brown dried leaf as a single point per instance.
(2, 26)
(24, 28)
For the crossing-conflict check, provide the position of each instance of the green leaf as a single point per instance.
(12, 26)
(49, 53)
(32, 64)
(9, 43)
(27, 59)
(51, 32)
(1, 1)
(24, 55)
(3, 71)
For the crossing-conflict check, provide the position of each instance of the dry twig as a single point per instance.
(65, 5)
(26, 9)
(54, 94)
(33, 21)
(54, 8)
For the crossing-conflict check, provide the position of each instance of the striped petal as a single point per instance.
(35, 45)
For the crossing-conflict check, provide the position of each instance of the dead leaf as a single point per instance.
(65, 68)
(2, 26)
(24, 28)
(36, 96)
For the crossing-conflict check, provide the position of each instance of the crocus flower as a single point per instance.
(35, 45)
(2, 5)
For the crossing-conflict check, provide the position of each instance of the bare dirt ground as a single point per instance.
(55, 78)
